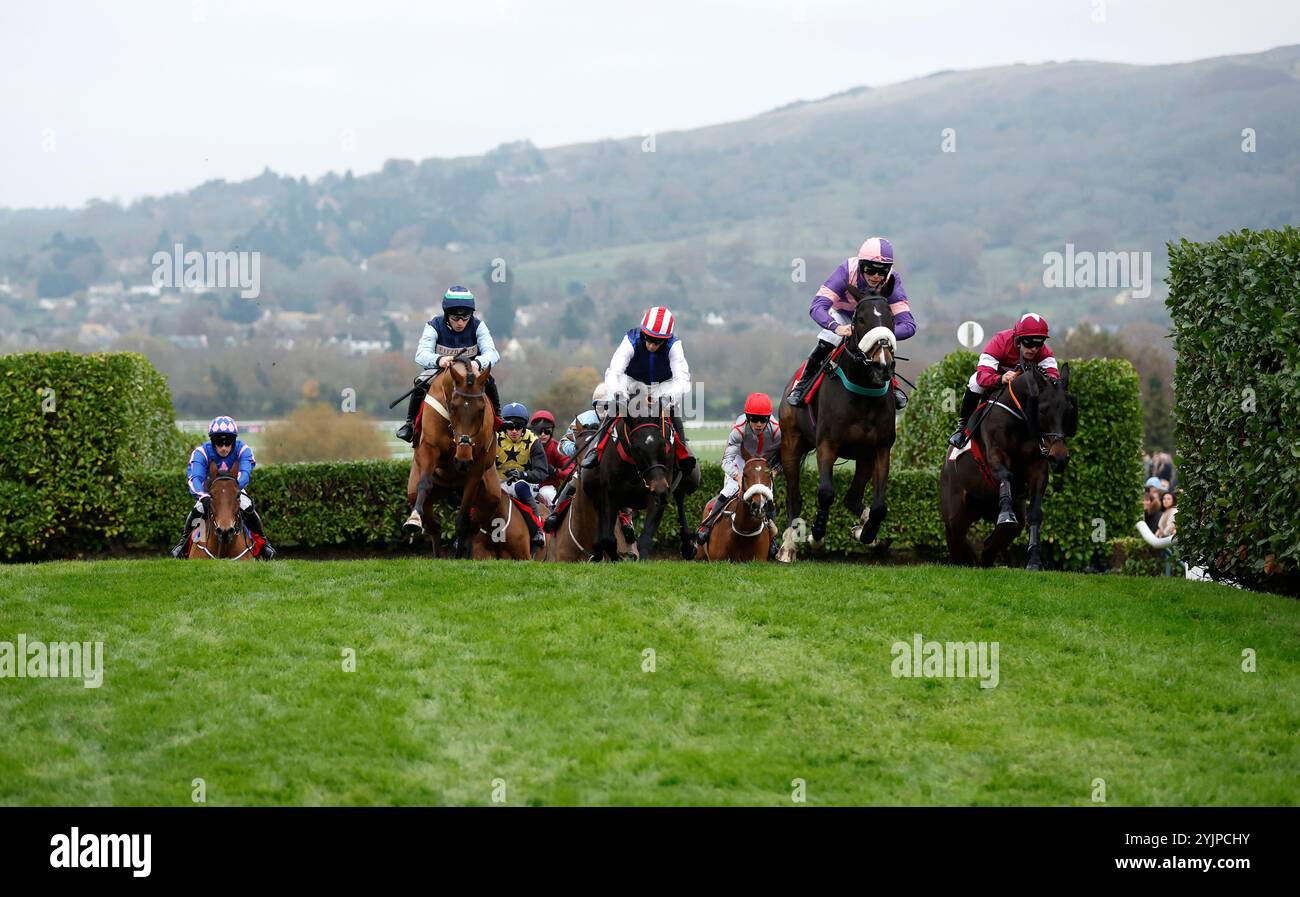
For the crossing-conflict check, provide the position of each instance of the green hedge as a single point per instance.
(1103, 481)
(363, 503)
(61, 468)
(1235, 305)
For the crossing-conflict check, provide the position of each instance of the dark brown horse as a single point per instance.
(220, 534)
(851, 416)
(746, 528)
(457, 445)
(1019, 438)
(575, 538)
(639, 469)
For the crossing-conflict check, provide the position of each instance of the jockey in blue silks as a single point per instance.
(233, 457)
(455, 335)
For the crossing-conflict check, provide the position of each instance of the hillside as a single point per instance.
(1102, 156)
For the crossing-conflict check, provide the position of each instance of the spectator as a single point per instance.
(1151, 509)
(1163, 468)
(1168, 504)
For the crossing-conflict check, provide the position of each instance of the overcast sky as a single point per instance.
(126, 99)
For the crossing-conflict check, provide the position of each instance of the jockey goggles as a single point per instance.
(220, 439)
(460, 314)
(1032, 342)
(876, 268)
(756, 418)
(516, 423)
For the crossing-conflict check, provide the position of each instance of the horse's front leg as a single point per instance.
(876, 515)
(605, 544)
(1037, 482)
(1001, 469)
(825, 491)
(684, 532)
(654, 512)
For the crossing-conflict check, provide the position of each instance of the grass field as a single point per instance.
(534, 676)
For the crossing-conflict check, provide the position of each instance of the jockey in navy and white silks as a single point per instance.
(232, 457)
(756, 434)
(871, 273)
(455, 335)
(651, 356)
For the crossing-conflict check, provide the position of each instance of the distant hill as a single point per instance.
(1103, 156)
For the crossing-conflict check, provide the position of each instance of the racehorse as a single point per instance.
(851, 416)
(746, 528)
(457, 444)
(1017, 436)
(575, 538)
(639, 469)
(221, 533)
(499, 529)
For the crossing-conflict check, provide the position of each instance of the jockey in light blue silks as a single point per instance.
(456, 334)
(232, 457)
(869, 273)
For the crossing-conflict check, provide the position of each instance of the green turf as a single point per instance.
(467, 673)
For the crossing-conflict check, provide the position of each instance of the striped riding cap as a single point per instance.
(657, 323)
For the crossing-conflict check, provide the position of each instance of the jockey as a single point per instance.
(590, 419)
(521, 462)
(230, 454)
(870, 273)
(1027, 340)
(651, 356)
(542, 424)
(759, 435)
(456, 334)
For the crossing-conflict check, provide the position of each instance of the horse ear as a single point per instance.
(1070, 424)
(1065, 376)
(744, 452)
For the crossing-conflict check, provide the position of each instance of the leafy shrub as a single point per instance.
(75, 425)
(1235, 305)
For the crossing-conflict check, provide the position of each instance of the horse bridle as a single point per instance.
(1045, 440)
(463, 438)
(239, 520)
(627, 435)
(762, 512)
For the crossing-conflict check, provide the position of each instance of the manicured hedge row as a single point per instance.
(363, 503)
(1235, 305)
(1101, 489)
(74, 426)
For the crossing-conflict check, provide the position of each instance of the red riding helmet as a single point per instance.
(543, 415)
(758, 403)
(1031, 324)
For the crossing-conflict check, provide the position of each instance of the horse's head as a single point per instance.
(756, 485)
(1053, 413)
(872, 341)
(648, 441)
(223, 508)
(467, 406)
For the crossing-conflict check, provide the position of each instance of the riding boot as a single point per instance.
(553, 519)
(900, 397)
(625, 524)
(687, 464)
(179, 550)
(490, 387)
(254, 521)
(706, 527)
(406, 432)
(810, 370)
(968, 404)
(537, 538)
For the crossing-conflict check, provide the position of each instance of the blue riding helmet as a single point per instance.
(515, 411)
(223, 426)
(457, 297)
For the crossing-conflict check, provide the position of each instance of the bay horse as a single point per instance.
(457, 444)
(850, 416)
(499, 531)
(1017, 440)
(221, 533)
(639, 469)
(575, 538)
(745, 530)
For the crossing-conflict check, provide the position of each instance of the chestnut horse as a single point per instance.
(746, 528)
(220, 534)
(499, 529)
(456, 447)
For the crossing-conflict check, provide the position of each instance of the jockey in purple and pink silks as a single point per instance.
(872, 273)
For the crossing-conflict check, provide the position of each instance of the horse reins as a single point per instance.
(239, 523)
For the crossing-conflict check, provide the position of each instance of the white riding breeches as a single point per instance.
(547, 492)
(244, 502)
(839, 317)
